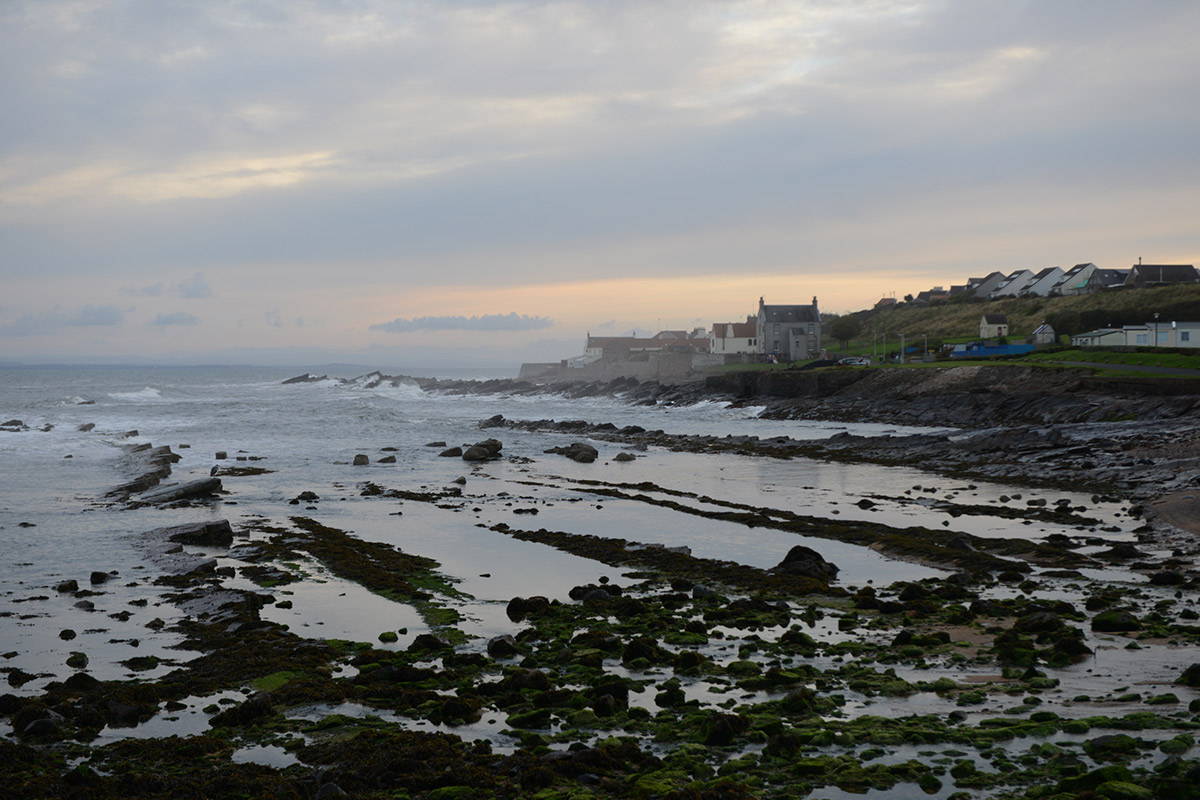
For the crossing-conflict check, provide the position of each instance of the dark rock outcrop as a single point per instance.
(808, 563)
(576, 451)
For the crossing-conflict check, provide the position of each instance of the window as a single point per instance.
(1162, 336)
(1143, 338)
(1185, 336)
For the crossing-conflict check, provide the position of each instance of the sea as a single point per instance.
(57, 525)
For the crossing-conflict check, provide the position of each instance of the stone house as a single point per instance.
(993, 326)
(789, 333)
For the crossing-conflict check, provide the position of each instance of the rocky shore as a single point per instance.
(1055, 659)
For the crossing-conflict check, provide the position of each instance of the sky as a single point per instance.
(484, 183)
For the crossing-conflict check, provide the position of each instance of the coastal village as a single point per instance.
(799, 334)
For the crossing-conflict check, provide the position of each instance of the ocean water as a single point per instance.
(55, 524)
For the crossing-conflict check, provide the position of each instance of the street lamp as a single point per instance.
(1156, 329)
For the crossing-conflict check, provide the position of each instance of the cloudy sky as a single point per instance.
(399, 183)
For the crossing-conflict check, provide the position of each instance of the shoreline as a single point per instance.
(685, 676)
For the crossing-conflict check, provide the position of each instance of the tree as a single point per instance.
(845, 328)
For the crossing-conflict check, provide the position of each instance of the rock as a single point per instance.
(493, 421)
(865, 504)
(66, 634)
(427, 642)
(435, 444)
(806, 562)
(503, 646)
(361, 460)
(43, 728)
(307, 377)
(1168, 577)
(482, 451)
(1115, 622)
(476, 453)
(1038, 622)
(202, 534)
(12, 423)
(77, 660)
(221, 455)
(622, 457)
(308, 497)
(576, 451)
(99, 577)
(460, 480)
(1190, 676)
(206, 487)
(387, 460)
(67, 586)
(452, 452)
(1122, 550)
(85, 427)
(521, 607)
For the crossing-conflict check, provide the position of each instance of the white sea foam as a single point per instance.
(141, 395)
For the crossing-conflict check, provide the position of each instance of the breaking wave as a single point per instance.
(141, 395)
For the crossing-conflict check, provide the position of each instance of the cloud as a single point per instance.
(195, 287)
(485, 322)
(176, 318)
(51, 321)
(153, 290)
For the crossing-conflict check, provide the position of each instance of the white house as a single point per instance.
(1151, 334)
(1044, 334)
(734, 337)
(1075, 280)
(989, 284)
(1101, 337)
(1014, 285)
(992, 326)
(1044, 282)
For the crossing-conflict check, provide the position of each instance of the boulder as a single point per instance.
(451, 452)
(435, 444)
(387, 460)
(576, 451)
(520, 607)
(361, 460)
(503, 646)
(218, 533)
(1115, 622)
(1190, 676)
(1168, 577)
(67, 586)
(99, 577)
(85, 427)
(622, 457)
(808, 563)
(476, 453)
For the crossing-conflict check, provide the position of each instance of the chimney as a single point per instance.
(814, 301)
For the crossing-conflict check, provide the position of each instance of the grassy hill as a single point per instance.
(959, 321)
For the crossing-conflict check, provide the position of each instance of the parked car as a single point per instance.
(854, 361)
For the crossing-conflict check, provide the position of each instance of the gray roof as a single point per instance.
(995, 319)
(790, 314)
(1163, 273)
